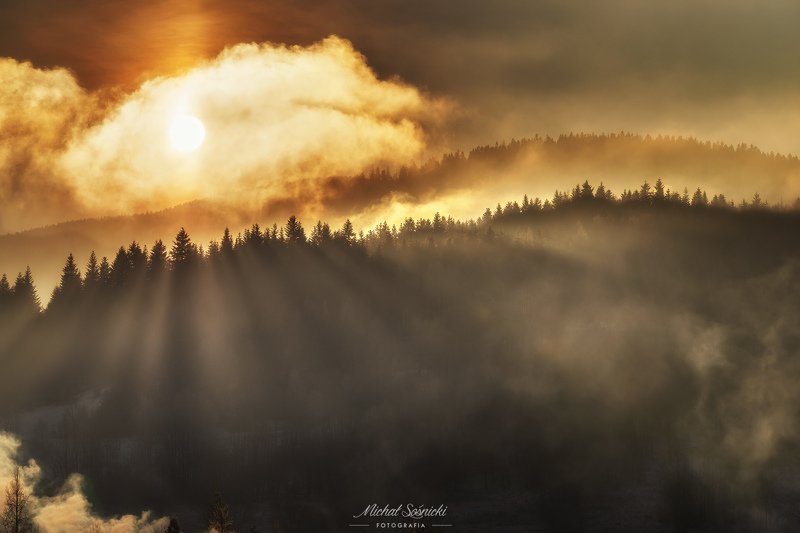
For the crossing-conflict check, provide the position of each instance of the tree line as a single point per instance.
(137, 262)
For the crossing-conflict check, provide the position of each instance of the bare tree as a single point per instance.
(219, 516)
(16, 516)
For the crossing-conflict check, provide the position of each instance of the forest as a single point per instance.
(585, 362)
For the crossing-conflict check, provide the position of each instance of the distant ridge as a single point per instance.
(536, 166)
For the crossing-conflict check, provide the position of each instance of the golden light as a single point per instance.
(186, 133)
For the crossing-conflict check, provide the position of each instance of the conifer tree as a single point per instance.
(321, 234)
(226, 244)
(347, 234)
(26, 299)
(120, 268)
(183, 250)
(699, 198)
(253, 237)
(6, 297)
(5, 289)
(644, 192)
(105, 273)
(137, 257)
(157, 262)
(91, 280)
(658, 196)
(295, 234)
(601, 192)
(70, 284)
(70, 277)
(587, 192)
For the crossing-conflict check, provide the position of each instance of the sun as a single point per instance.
(186, 133)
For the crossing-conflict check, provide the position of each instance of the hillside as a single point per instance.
(461, 185)
(648, 344)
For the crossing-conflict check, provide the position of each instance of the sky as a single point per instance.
(297, 90)
(724, 69)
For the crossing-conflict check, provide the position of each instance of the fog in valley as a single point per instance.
(591, 361)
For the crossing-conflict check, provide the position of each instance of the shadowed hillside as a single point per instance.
(610, 360)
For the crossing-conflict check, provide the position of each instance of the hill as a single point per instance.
(459, 184)
(606, 361)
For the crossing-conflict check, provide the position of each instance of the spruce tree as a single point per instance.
(105, 273)
(183, 250)
(226, 244)
(91, 280)
(26, 299)
(659, 193)
(347, 234)
(70, 284)
(158, 261)
(295, 234)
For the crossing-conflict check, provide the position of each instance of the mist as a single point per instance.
(593, 379)
(67, 509)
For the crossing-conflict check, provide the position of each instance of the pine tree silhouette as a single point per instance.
(26, 300)
(226, 244)
(183, 250)
(158, 262)
(347, 234)
(91, 280)
(295, 234)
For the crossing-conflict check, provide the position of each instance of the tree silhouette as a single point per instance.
(105, 273)
(321, 234)
(158, 262)
(699, 198)
(600, 194)
(120, 268)
(219, 516)
(183, 250)
(226, 244)
(91, 280)
(69, 288)
(26, 300)
(587, 192)
(253, 236)
(6, 294)
(16, 516)
(137, 257)
(645, 193)
(348, 235)
(659, 195)
(295, 234)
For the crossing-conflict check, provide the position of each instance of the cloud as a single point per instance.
(69, 510)
(273, 115)
(718, 70)
(40, 111)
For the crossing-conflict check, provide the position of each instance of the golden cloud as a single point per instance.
(273, 114)
(69, 510)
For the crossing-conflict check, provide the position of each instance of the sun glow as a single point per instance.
(186, 133)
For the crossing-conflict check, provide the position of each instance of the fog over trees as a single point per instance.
(592, 361)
